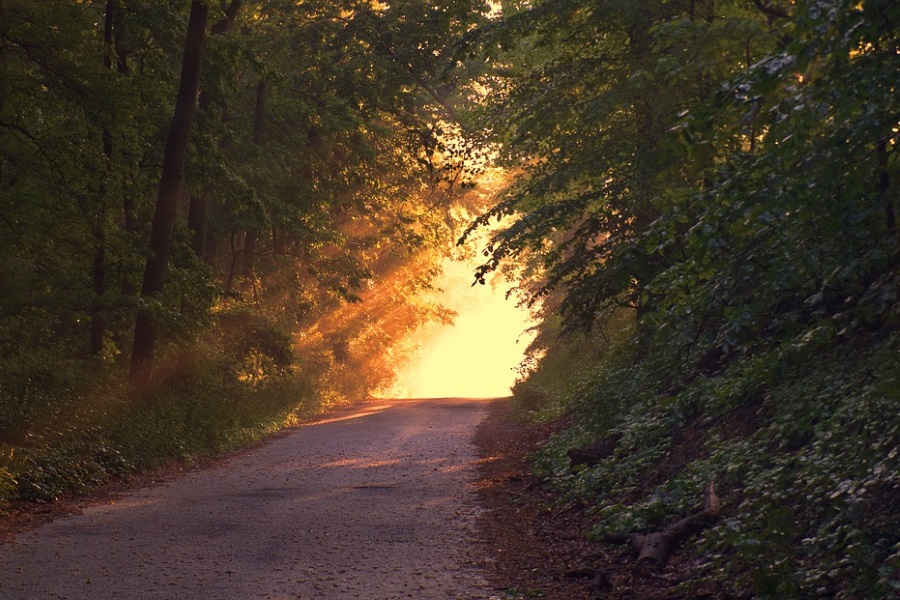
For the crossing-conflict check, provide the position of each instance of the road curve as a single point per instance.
(374, 504)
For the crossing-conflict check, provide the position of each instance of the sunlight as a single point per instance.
(477, 355)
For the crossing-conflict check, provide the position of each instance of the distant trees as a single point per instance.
(262, 154)
(723, 168)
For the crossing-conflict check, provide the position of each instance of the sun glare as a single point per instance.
(476, 356)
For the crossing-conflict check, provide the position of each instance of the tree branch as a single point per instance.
(770, 10)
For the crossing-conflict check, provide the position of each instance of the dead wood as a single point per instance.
(656, 547)
(594, 452)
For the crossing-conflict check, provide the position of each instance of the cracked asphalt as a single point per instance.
(377, 504)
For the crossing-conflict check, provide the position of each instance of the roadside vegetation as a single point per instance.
(702, 207)
(706, 211)
(216, 219)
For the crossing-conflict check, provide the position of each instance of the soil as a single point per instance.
(535, 546)
(540, 547)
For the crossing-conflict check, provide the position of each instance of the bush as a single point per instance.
(800, 441)
(67, 430)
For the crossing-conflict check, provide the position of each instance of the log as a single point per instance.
(594, 452)
(655, 548)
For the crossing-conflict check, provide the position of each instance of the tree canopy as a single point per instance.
(313, 158)
(245, 198)
(705, 195)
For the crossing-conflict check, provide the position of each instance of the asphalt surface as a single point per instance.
(375, 504)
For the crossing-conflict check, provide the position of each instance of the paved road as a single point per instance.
(376, 504)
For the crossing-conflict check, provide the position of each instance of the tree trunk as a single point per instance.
(171, 180)
(198, 207)
(648, 131)
(249, 252)
(98, 325)
(99, 267)
(198, 210)
(251, 235)
(884, 186)
(262, 90)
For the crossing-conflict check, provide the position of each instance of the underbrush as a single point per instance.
(72, 429)
(800, 442)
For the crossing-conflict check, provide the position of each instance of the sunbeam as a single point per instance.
(476, 356)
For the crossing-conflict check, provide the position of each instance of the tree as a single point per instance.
(319, 157)
(796, 236)
(585, 119)
(170, 184)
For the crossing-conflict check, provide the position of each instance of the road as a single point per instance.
(375, 504)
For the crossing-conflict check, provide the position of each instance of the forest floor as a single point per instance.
(539, 545)
(534, 546)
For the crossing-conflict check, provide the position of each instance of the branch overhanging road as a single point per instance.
(375, 504)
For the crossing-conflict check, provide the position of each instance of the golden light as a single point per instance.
(477, 355)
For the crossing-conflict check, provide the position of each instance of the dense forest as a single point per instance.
(706, 209)
(218, 216)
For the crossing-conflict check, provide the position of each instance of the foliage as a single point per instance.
(586, 122)
(808, 476)
(325, 154)
(72, 430)
(748, 216)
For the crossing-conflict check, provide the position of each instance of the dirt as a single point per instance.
(537, 548)
(540, 547)
(514, 539)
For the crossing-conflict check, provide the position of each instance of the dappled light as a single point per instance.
(369, 410)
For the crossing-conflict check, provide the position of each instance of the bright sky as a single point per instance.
(475, 357)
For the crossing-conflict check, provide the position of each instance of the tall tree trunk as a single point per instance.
(259, 120)
(647, 135)
(99, 274)
(198, 210)
(249, 251)
(884, 186)
(129, 206)
(198, 207)
(98, 325)
(251, 235)
(171, 180)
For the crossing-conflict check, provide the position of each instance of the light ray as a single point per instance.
(477, 355)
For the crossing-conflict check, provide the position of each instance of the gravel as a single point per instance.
(376, 504)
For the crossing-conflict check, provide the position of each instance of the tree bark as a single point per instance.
(262, 92)
(251, 234)
(198, 207)
(98, 324)
(99, 268)
(884, 186)
(129, 206)
(648, 131)
(171, 181)
(198, 210)
(655, 548)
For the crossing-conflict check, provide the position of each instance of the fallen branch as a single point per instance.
(593, 453)
(656, 547)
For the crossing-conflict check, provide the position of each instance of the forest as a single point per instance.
(218, 217)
